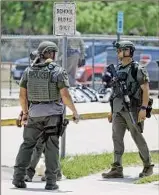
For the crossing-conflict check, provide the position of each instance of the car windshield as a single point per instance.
(98, 59)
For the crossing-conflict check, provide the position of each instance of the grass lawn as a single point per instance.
(148, 179)
(84, 165)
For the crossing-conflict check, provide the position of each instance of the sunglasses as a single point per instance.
(121, 49)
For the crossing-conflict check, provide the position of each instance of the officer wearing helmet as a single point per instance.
(137, 82)
(44, 85)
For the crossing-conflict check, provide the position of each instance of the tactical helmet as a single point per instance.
(47, 46)
(124, 45)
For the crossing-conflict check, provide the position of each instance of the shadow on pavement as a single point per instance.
(126, 179)
(41, 190)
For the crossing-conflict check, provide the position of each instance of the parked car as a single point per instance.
(99, 47)
(19, 66)
(85, 73)
(145, 55)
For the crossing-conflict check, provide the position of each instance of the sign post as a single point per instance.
(120, 24)
(64, 25)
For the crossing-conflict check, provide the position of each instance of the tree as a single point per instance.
(36, 17)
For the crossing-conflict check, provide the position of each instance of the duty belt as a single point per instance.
(47, 102)
(72, 51)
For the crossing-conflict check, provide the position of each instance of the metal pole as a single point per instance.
(118, 39)
(10, 81)
(64, 65)
(29, 49)
(158, 75)
(93, 63)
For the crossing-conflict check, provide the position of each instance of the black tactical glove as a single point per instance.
(82, 62)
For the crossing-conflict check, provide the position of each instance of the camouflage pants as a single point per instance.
(121, 121)
(37, 152)
(32, 130)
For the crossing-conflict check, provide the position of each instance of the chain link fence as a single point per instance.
(99, 52)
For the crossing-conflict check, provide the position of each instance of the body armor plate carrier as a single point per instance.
(42, 87)
(133, 86)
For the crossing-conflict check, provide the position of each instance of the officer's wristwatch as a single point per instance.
(143, 107)
(25, 113)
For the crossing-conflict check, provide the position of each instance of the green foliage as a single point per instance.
(148, 179)
(84, 165)
(92, 17)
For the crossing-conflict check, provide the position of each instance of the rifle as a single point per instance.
(121, 80)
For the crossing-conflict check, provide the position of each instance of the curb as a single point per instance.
(12, 122)
(87, 116)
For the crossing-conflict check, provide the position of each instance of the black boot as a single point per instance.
(43, 178)
(147, 171)
(51, 186)
(30, 172)
(27, 178)
(115, 172)
(59, 177)
(19, 184)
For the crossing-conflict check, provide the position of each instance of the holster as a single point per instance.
(63, 125)
(60, 129)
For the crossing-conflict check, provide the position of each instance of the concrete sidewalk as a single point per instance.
(90, 185)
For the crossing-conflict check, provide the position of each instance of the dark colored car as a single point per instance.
(99, 47)
(20, 66)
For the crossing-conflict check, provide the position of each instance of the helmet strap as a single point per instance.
(131, 53)
(53, 55)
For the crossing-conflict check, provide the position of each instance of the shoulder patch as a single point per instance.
(50, 66)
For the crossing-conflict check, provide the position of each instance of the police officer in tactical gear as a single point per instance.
(43, 85)
(137, 82)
